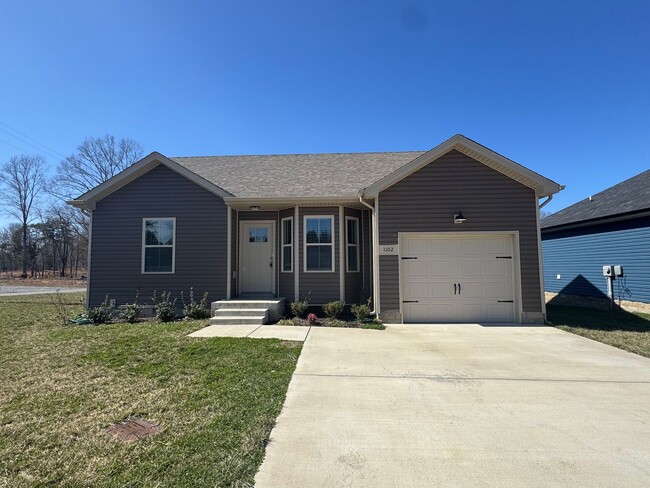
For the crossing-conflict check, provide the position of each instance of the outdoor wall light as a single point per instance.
(255, 208)
(458, 218)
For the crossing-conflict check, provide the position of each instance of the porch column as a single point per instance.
(296, 252)
(229, 257)
(342, 248)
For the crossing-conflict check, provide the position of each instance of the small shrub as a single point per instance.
(312, 319)
(361, 311)
(166, 308)
(300, 307)
(101, 314)
(285, 322)
(373, 325)
(60, 308)
(333, 309)
(131, 313)
(338, 323)
(196, 310)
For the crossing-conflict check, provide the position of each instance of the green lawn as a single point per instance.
(626, 330)
(60, 387)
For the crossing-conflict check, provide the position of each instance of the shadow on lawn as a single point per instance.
(592, 319)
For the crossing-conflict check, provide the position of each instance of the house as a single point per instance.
(609, 228)
(446, 235)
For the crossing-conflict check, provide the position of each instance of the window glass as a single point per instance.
(352, 244)
(319, 231)
(319, 244)
(287, 231)
(158, 255)
(319, 258)
(287, 245)
(258, 234)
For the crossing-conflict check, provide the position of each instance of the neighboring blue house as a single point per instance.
(609, 228)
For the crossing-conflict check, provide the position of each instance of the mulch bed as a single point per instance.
(325, 322)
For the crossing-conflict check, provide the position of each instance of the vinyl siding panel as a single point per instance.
(201, 239)
(426, 201)
(366, 257)
(578, 256)
(322, 287)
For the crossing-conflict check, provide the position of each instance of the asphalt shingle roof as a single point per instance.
(631, 195)
(298, 175)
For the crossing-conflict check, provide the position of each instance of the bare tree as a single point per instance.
(23, 178)
(97, 159)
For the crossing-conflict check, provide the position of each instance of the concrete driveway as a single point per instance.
(461, 405)
(10, 290)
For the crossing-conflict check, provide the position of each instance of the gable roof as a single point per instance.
(334, 177)
(629, 196)
(543, 186)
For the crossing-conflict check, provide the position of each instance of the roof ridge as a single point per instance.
(295, 154)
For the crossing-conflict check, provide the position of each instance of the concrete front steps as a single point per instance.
(246, 312)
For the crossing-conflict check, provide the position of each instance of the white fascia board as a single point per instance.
(543, 186)
(146, 164)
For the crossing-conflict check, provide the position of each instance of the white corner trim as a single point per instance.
(342, 261)
(229, 257)
(144, 246)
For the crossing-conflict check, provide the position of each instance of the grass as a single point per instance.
(61, 386)
(625, 330)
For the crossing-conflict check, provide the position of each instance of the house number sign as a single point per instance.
(388, 249)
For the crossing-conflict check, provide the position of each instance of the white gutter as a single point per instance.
(375, 256)
(548, 199)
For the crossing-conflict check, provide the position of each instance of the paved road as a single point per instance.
(461, 406)
(8, 291)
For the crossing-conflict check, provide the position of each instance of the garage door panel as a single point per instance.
(417, 247)
(471, 289)
(471, 267)
(441, 290)
(417, 290)
(439, 246)
(481, 265)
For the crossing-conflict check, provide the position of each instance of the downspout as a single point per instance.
(375, 255)
(548, 199)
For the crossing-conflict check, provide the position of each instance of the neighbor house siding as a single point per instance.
(201, 239)
(286, 279)
(426, 201)
(577, 256)
(321, 287)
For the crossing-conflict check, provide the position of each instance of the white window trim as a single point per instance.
(304, 243)
(283, 245)
(347, 245)
(145, 246)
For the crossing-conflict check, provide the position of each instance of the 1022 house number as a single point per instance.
(388, 249)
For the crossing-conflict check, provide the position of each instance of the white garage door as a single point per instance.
(457, 279)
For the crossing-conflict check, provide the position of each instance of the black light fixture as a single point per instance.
(458, 218)
(255, 208)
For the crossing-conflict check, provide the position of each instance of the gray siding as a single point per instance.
(426, 201)
(286, 279)
(201, 239)
(324, 287)
(366, 227)
(354, 281)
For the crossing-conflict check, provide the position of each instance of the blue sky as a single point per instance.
(561, 87)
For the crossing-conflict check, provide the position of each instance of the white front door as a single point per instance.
(457, 278)
(257, 257)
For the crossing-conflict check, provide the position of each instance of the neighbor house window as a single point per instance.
(158, 245)
(287, 245)
(352, 244)
(319, 243)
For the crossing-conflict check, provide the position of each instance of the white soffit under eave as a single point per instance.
(133, 172)
(543, 186)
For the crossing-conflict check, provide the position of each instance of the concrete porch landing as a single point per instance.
(287, 333)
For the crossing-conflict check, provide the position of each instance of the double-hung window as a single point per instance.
(287, 245)
(319, 243)
(158, 245)
(352, 244)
